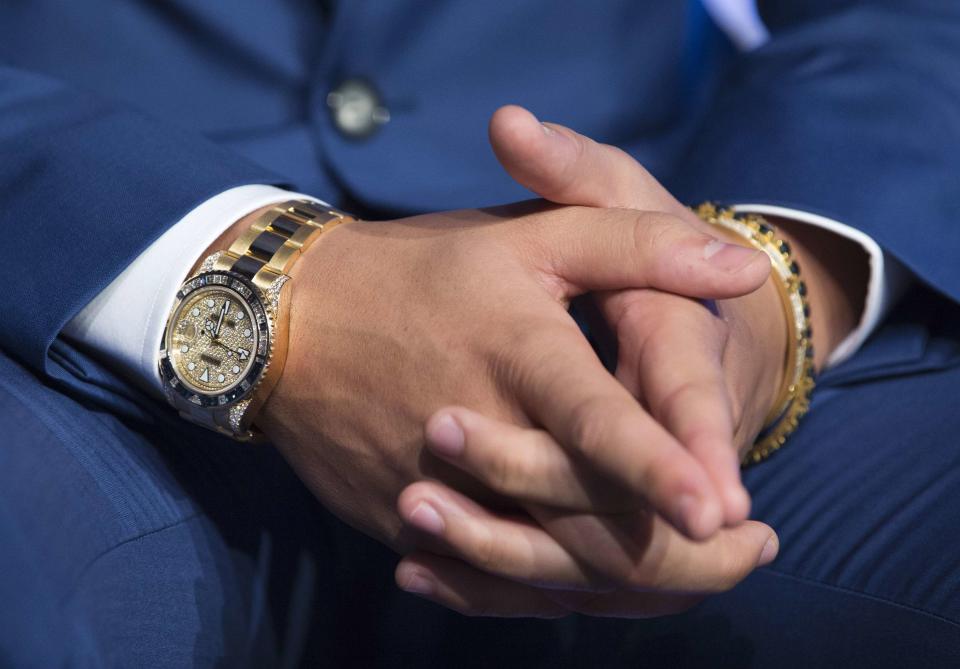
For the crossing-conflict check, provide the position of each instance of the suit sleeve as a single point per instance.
(85, 186)
(851, 111)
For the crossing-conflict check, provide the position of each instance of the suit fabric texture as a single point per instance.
(132, 539)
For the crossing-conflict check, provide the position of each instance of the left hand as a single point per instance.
(703, 377)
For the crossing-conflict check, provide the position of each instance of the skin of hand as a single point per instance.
(703, 376)
(391, 320)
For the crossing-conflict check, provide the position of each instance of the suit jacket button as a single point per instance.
(356, 109)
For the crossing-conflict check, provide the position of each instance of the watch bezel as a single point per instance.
(245, 388)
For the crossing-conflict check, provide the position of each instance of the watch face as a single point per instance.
(216, 340)
(212, 340)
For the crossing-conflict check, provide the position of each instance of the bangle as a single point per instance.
(793, 398)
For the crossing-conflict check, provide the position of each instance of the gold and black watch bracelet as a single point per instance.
(793, 397)
(276, 239)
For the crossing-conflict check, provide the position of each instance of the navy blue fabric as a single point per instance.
(145, 543)
(852, 110)
(130, 539)
(101, 182)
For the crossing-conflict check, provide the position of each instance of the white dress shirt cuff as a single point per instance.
(888, 278)
(124, 323)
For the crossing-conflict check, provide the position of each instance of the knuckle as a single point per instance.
(591, 425)
(507, 471)
(517, 354)
(674, 401)
(487, 551)
(535, 245)
(652, 231)
(635, 316)
(629, 324)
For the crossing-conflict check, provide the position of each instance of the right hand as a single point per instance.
(392, 320)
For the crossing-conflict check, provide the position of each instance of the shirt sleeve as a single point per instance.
(887, 282)
(124, 323)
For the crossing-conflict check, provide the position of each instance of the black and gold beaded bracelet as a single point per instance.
(793, 399)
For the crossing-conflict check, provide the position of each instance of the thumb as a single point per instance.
(663, 245)
(565, 167)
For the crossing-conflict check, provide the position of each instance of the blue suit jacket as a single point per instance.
(119, 116)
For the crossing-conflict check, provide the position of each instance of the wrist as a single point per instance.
(834, 288)
(321, 300)
(773, 342)
(754, 356)
(836, 272)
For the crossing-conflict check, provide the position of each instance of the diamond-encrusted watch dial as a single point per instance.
(212, 339)
(221, 326)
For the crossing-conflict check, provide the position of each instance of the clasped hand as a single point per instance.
(548, 485)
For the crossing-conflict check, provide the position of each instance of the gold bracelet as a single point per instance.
(793, 398)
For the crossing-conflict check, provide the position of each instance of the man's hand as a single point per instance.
(392, 320)
(685, 363)
(567, 168)
(701, 375)
(553, 562)
(577, 550)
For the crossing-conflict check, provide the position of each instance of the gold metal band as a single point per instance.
(302, 223)
(793, 397)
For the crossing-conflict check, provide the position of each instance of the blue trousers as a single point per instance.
(151, 544)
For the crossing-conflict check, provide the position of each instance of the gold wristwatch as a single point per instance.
(225, 342)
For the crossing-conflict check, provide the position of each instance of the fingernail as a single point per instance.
(445, 436)
(769, 552)
(547, 130)
(417, 583)
(729, 257)
(425, 517)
